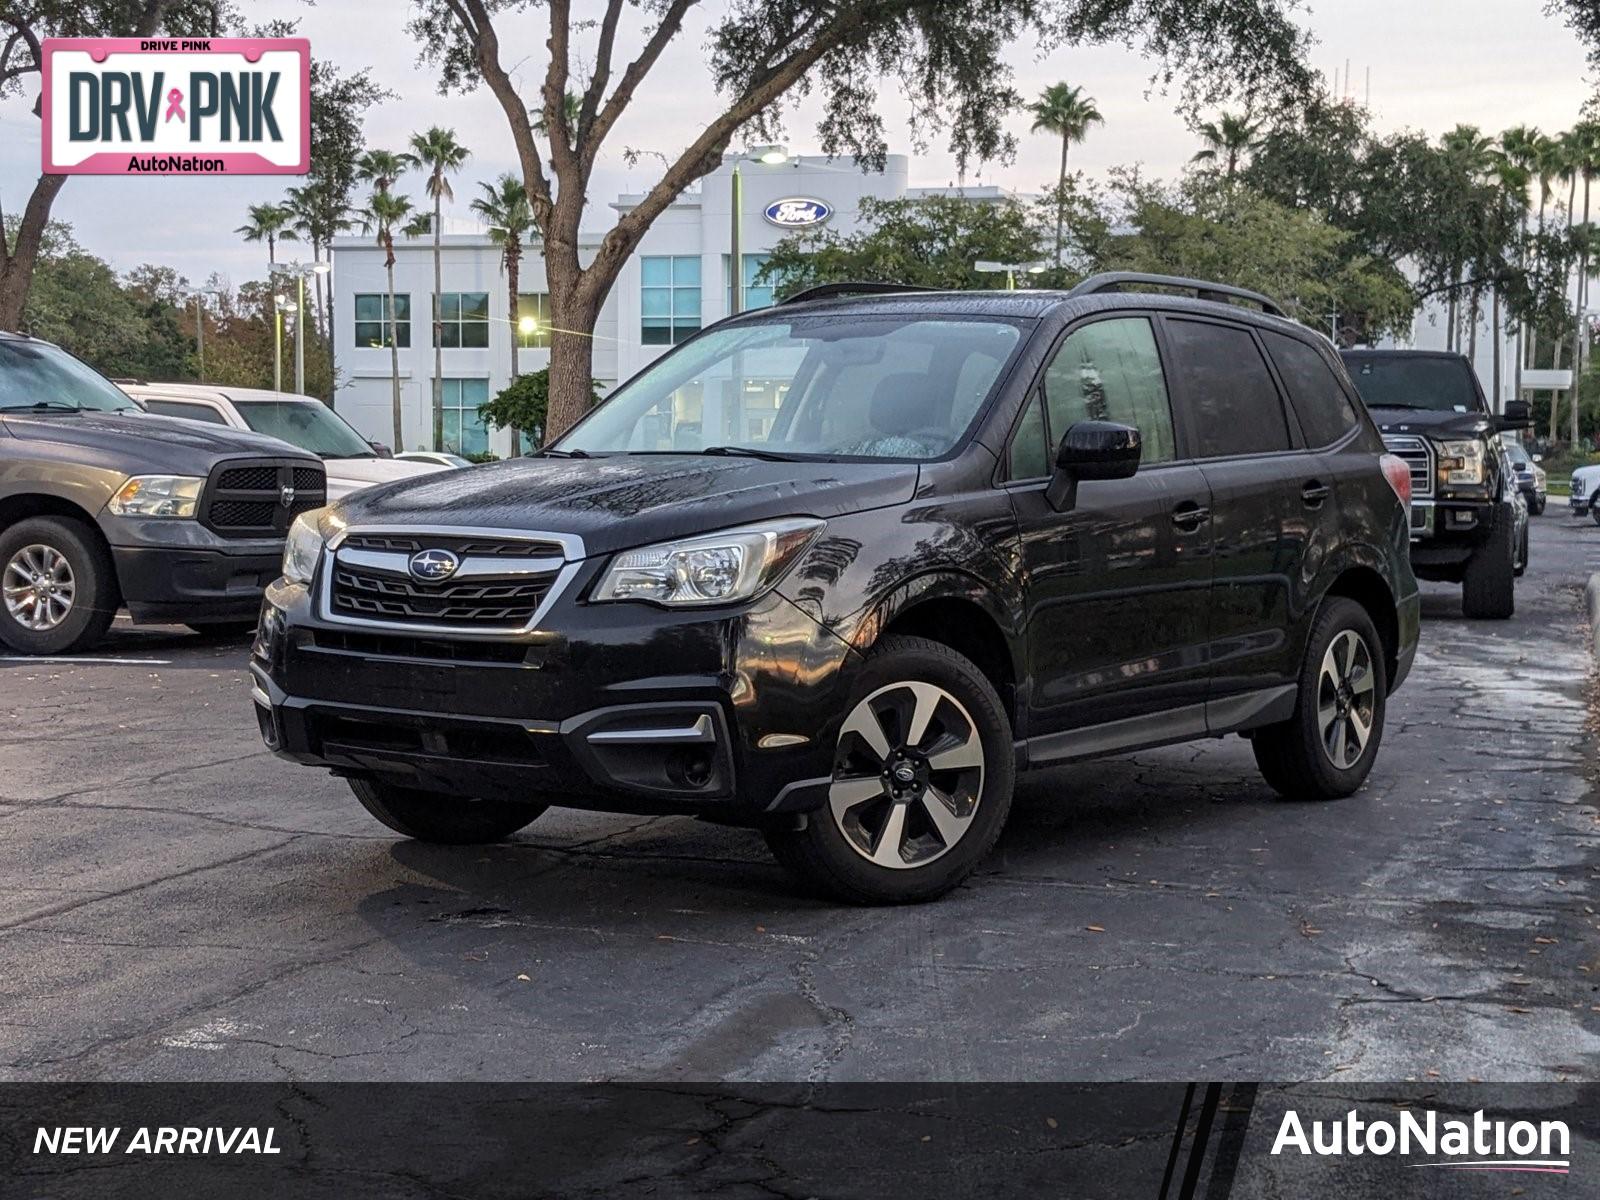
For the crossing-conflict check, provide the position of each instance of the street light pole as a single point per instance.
(200, 333)
(735, 259)
(300, 335)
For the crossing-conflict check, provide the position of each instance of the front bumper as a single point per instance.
(179, 571)
(622, 707)
(1446, 532)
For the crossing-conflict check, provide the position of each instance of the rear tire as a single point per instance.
(1315, 754)
(77, 564)
(1488, 589)
(445, 819)
(890, 838)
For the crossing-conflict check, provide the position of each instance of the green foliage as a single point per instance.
(523, 404)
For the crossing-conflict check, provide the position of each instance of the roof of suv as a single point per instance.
(213, 391)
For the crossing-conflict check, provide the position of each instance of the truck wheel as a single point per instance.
(1594, 507)
(922, 778)
(1522, 554)
(1325, 750)
(1488, 590)
(58, 586)
(438, 817)
(1536, 506)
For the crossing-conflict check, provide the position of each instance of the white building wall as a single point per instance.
(696, 224)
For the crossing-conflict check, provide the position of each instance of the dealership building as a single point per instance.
(675, 283)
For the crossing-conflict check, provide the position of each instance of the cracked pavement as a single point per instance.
(176, 904)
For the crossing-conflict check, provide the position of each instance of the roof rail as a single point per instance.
(860, 288)
(1111, 281)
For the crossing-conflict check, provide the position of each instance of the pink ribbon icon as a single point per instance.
(174, 106)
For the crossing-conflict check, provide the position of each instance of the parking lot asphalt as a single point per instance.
(177, 904)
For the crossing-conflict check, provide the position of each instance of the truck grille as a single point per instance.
(1418, 456)
(260, 498)
(499, 585)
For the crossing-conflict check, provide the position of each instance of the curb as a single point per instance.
(1591, 599)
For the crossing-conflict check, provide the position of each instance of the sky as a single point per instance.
(1433, 64)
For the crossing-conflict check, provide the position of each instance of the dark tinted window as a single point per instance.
(1325, 412)
(1030, 455)
(1442, 383)
(1111, 371)
(189, 412)
(1235, 407)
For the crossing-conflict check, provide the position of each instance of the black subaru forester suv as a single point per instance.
(839, 569)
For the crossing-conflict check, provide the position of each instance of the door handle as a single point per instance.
(1314, 493)
(1189, 516)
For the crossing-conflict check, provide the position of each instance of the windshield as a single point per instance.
(35, 375)
(1423, 381)
(837, 386)
(309, 424)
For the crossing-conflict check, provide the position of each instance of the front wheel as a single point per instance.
(922, 779)
(1488, 589)
(437, 817)
(1536, 506)
(58, 586)
(1326, 749)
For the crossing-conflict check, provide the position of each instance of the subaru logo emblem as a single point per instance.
(905, 773)
(433, 566)
(797, 212)
(286, 496)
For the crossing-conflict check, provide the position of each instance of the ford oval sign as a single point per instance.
(797, 212)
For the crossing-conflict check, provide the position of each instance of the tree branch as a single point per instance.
(555, 91)
(475, 21)
(596, 90)
(632, 77)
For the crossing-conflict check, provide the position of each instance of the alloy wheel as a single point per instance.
(908, 775)
(38, 587)
(1346, 699)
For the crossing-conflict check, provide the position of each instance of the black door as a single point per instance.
(1266, 494)
(1116, 587)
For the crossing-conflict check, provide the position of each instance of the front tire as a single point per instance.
(1488, 589)
(923, 774)
(58, 586)
(445, 819)
(1326, 749)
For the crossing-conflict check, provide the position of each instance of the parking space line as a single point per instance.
(78, 658)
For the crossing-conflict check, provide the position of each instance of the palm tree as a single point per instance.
(505, 211)
(1566, 157)
(571, 108)
(318, 215)
(1583, 144)
(1069, 114)
(383, 167)
(440, 154)
(269, 223)
(383, 213)
(1519, 151)
(1228, 139)
(1474, 155)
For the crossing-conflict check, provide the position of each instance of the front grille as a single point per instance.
(463, 545)
(377, 595)
(1418, 457)
(260, 498)
(386, 645)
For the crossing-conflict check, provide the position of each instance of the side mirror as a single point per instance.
(1092, 450)
(1517, 415)
(1538, 458)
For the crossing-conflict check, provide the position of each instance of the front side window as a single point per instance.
(856, 385)
(1319, 400)
(1111, 371)
(37, 375)
(309, 424)
(669, 298)
(1234, 403)
(373, 323)
(464, 320)
(464, 430)
(534, 306)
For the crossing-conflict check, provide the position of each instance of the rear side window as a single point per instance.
(1111, 371)
(190, 412)
(1324, 409)
(1235, 408)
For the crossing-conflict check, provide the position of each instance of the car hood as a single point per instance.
(1427, 422)
(630, 500)
(346, 475)
(142, 442)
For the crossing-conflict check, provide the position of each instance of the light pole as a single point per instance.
(772, 155)
(200, 333)
(283, 302)
(1010, 269)
(299, 272)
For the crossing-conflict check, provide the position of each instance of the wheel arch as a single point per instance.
(22, 506)
(1368, 588)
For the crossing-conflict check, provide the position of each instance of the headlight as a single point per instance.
(158, 496)
(718, 568)
(302, 548)
(1461, 462)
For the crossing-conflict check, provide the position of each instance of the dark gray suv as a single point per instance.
(104, 506)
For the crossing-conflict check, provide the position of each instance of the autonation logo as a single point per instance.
(1476, 1145)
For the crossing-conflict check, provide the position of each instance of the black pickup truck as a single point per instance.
(104, 506)
(1432, 413)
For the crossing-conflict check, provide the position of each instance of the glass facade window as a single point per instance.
(755, 296)
(464, 430)
(537, 306)
(373, 321)
(464, 320)
(669, 299)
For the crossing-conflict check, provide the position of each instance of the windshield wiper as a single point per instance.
(41, 406)
(564, 454)
(749, 452)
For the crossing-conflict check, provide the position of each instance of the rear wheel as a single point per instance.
(1326, 749)
(923, 773)
(58, 586)
(438, 817)
(1488, 589)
